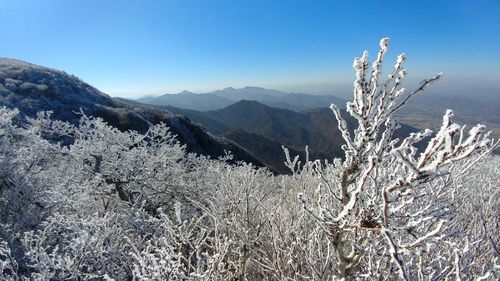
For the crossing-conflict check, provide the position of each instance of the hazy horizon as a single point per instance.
(446, 87)
(131, 48)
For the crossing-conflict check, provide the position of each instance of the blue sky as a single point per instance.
(131, 48)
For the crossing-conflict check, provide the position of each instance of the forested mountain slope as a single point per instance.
(262, 130)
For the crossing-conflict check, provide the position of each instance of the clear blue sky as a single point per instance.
(141, 47)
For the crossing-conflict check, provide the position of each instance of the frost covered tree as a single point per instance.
(388, 207)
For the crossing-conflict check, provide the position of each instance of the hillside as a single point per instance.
(262, 130)
(32, 88)
(268, 151)
(189, 100)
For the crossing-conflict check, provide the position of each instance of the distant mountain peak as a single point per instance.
(248, 103)
(186, 92)
(256, 88)
(254, 108)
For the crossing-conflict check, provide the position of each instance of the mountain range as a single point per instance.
(222, 98)
(423, 111)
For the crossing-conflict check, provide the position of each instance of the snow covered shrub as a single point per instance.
(79, 205)
(388, 207)
(72, 247)
(8, 265)
(474, 228)
(25, 170)
(183, 249)
(241, 205)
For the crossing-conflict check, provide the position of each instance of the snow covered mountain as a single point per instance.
(32, 88)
